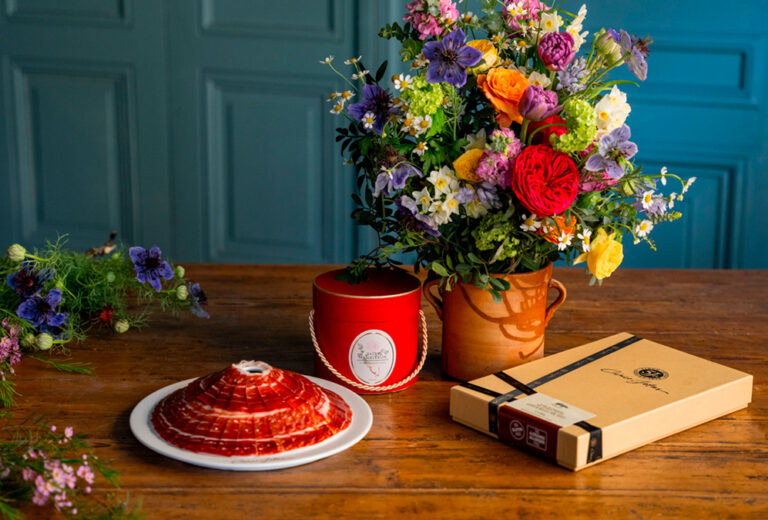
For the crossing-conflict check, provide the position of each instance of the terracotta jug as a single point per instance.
(481, 337)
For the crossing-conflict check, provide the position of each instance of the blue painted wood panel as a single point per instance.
(202, 126)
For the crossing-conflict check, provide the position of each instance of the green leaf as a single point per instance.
(438, 122)
(411, 49)
(381, 71)
(496, 296)
(474, 259)
(463, 268)
(438, 268)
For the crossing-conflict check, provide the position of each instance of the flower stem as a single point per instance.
(524, 130)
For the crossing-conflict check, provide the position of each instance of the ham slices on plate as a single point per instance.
(249, 408)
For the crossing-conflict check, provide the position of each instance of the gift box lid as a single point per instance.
(596, 401)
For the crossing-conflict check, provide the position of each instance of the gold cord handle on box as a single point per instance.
(361, 386)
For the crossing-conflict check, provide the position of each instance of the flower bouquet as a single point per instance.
(499, 153)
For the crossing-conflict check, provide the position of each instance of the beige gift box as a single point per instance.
(596, 401)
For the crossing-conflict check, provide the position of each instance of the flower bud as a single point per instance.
(28, 340)
(608, 46)
(122, 326)
(181, 292)
(59, 284)
(44, 341)
(110, 277)
(538, 104)
(16, 252)
(179, 271)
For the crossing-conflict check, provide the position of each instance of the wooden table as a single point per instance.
(416, 462)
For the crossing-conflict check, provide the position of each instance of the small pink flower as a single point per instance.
(69, 432)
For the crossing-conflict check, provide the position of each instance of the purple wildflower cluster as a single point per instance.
(10, 352)
(56, 481)
(636, 50)
(612, 148)
(570, 78)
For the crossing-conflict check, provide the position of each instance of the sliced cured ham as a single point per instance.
(250, 408)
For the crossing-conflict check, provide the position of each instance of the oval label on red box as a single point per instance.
(372, 356)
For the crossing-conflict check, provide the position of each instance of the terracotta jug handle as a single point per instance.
(436, 301)
(554, 284)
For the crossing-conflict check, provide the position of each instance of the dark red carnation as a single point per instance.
(543, 135)
(545, 181)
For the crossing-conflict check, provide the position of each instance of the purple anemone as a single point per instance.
(449, 59)
(150, 266)
(28, 280)
(417, 221)
(41, 311)
(611, 149)
(197, 298)
(377, 101)
(394, 178)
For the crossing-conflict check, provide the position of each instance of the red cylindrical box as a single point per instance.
(369, 332)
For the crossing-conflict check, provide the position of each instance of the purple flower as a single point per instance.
(537, 103)
(197, 298)
(496, 164)
(28, 281)
(376, 100)
(449, 59)
(487, 194)
(636, 51)
(394, 178)
(9, 344)
(150, 266)
(556, 50)
(417, 221)
(570, 78)
(612, 148)
(39, 311)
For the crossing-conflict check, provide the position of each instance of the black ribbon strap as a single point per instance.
(595, 450)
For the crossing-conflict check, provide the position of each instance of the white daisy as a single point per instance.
(564, 240)
(333, 96)
(408, 123)
(402, 82)
(671, 200)
(643, 228)
(647, 199)
(530, 223)
(585, 236)
(422, 124)
(688, 184)
(327, 60)
(346, 95)
(368, 120)
(337, 108)
(360, 75)
(352, 61)
(419, 63)
(420, 148)
(521, 45)
(663, 176)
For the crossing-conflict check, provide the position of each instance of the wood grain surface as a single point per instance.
(416, 462)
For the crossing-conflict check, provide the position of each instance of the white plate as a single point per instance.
(362, 418)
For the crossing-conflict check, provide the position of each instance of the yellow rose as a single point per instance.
(467, 163)
(604, 256)
(490, 56)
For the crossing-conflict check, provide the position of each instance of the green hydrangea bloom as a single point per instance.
(581, 125)
(495, 231)
(424, 98)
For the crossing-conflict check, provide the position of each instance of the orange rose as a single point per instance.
(504, 88)
(552, 232)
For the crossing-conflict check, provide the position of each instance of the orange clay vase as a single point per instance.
(481, 337)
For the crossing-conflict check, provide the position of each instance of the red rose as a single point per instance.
(543, 135)
(545, 181)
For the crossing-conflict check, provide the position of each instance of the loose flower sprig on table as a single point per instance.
(53, 296)
(499, 154)
(54, 469)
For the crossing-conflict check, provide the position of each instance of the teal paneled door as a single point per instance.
(202, 125)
